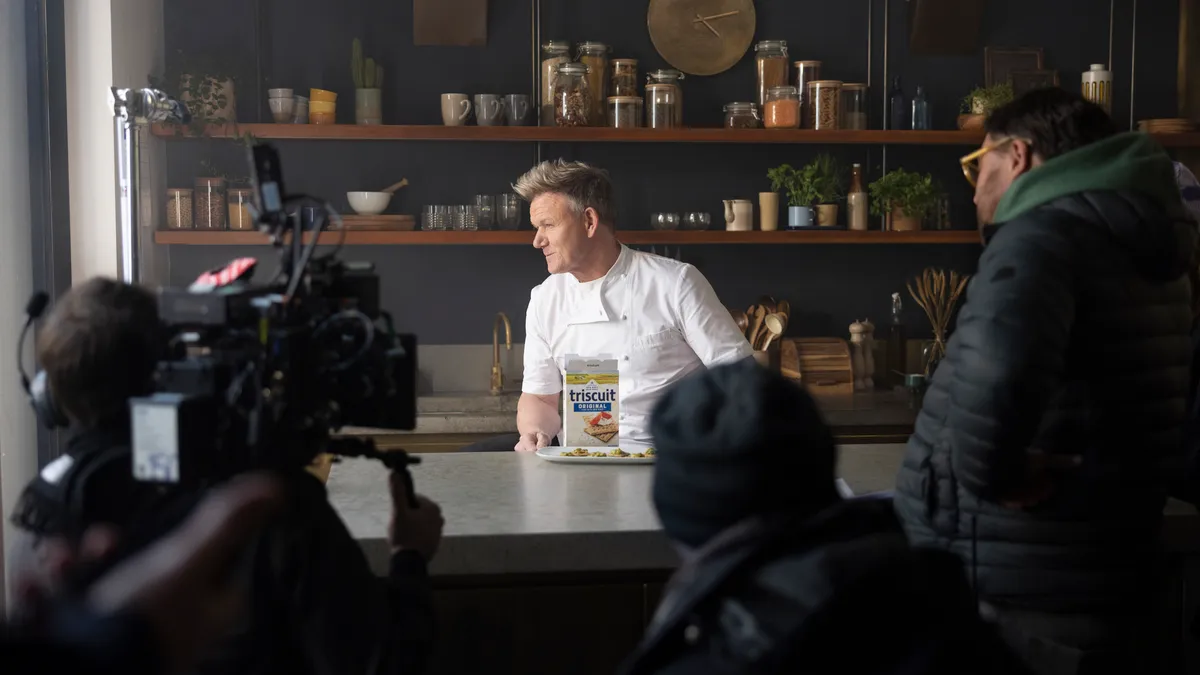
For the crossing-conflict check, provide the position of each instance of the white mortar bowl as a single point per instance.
(369, 203)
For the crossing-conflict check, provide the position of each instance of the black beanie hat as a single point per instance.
(736, 441)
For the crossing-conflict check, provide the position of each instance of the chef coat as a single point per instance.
(658, 317)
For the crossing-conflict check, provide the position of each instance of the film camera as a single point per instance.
(260, 376)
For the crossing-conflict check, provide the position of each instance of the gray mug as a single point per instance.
(517, 107)
(489, 110)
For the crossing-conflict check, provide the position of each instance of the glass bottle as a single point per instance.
(594, 55)
(897, 344)
(771, 57)
(783, 108)
(920, 111)
(898, 110)
(572, 95)
(741, 115)
(554, 53)
(674, 78)
(856, 201)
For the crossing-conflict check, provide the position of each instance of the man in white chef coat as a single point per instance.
(658, 317)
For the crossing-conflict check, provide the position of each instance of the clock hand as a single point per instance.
(700, 19)
(709, 25)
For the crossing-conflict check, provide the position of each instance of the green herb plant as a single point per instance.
(914, 195)
(825, 176)
(366, 73)
(797, 183)
(989, 98)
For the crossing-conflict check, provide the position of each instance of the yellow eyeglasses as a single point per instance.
(970, 163)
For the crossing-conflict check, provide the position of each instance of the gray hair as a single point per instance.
(584, 186)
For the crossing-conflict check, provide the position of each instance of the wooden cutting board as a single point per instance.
(398, 223)
(450, 23)
(822, 365)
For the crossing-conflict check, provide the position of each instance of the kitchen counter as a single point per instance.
(512, 513)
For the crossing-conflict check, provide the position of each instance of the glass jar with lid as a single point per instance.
(179, 209)
(742, 115)
(771, 58)
(854, 106)
(594, 55)
(824, 104)
(624, 112)
(208, 201)
(783, 108)
(624, 80)
(674, 78)
(240, 217)
(554, 53)
(662, 106)
(572, 95)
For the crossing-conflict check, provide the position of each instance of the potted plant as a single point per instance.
(205, 87)
(824, 175)
(368, 78)
(798, 185)
(905, 198)
(981, 102)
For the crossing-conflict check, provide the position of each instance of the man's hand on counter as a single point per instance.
(532, 442)
(410, 529)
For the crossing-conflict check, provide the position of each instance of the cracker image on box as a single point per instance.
(590, 402)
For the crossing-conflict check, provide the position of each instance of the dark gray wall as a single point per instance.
(448, 294)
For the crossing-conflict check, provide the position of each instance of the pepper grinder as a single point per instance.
(857, 364)
(868, 354)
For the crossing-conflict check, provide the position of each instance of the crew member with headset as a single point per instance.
(315, 606)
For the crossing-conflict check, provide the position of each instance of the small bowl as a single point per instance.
(322, 107)
(664, 221)
(697, 220)
(369, 203)
(279, 93)
(282, 109)
(322, 95)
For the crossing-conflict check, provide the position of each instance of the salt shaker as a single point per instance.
(857, 365)
(868, 354)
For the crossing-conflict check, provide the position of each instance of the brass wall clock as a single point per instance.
(701, 37)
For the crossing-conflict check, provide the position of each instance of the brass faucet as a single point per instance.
(497, 371)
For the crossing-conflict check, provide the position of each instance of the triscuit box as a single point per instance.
(590, 402)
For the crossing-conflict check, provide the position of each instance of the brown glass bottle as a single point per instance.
(897, 345)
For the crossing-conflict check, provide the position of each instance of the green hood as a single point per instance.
(1125, 162)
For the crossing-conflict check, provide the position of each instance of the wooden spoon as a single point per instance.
(740, 318)
(391, 189)
(784, 308)
(768, 303)
(775, 323)
(756, 323)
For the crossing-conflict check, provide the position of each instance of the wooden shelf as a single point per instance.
(525, 237)
(354, 132)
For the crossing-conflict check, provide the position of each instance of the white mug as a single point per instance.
(456, 108)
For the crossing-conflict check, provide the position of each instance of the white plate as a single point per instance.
(554, 454)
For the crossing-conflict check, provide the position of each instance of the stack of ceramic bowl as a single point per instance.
(322, 107)
(282, 104)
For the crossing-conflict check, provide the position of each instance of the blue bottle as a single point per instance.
(899, 111)
(921, 119)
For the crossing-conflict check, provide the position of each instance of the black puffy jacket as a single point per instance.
(1074, 340)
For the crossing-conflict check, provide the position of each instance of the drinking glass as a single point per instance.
(436, 218)
(485, 206)
(464, 217)
(508, 214)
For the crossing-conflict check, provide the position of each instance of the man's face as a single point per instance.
(997, 171)
(563, 235)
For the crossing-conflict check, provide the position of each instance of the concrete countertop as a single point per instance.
(511, 513)
(482, 413)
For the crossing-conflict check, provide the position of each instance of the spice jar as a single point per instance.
(594, 55)
(741, 115)
(674, 78)
(624, 112)
(854, 106)
(662, 106)
(572, 95)
(806, 71)
(554, 54)
(624, 81)
(240, 217)
(824, 103)
(179, 209)
(783, 108)
(209, 201)
(772, 59)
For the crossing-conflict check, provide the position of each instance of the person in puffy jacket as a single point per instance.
(1042, 453)
(781, 575)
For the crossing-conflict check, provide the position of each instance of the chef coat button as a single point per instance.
(626, 357)
(691, 634)
(624, 317)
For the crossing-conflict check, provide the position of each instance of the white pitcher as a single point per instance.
(739, 215)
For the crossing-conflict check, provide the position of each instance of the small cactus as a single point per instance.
(379, 76)
(356, 63)
(369, 74)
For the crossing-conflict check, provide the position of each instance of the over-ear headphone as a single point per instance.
(41, 399)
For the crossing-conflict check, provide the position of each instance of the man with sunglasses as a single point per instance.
(1042, 451)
